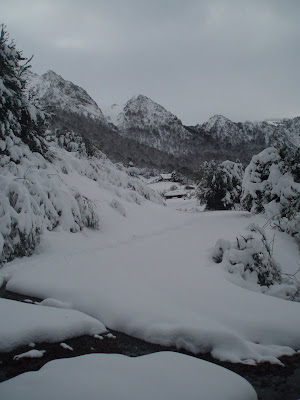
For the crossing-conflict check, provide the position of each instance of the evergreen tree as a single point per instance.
(220, 185)
(271, 186)
(20, 120)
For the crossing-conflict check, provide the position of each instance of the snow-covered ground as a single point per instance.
(151, 275)
(147, 272)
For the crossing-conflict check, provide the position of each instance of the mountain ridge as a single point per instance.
(148, 134)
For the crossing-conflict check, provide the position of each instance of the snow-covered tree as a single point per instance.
(271, 186)
(32, 196)
(18, 117)
(220, 185)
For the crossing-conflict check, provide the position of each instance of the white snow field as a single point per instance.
(148, 272)
(26, 323)
(151, 275)
(164, 375)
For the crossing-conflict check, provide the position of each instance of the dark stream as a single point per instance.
(271, 382)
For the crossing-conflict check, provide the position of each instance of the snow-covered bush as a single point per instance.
(99, 168)
(71, 142)
(20, 220)
(271, 185)
(133, 171)
(88, 211)
(33, 198)
(249, 255)
(179, 178)
(220, 185)
(117, 205)
(250, 263)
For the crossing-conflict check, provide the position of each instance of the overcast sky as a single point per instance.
(196, 58)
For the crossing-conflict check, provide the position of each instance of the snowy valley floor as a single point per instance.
(150, 275)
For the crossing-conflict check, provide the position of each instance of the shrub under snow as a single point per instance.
(34, 197)
(249, 255)
(249, 259)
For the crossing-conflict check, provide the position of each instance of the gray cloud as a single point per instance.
(196, 58)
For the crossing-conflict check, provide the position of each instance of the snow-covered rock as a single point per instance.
(30, 354)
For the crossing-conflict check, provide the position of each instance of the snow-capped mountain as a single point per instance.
(53, 91)
(72, 109)
(147, 122)
(220, 127)
(266, 132)
(146, 133)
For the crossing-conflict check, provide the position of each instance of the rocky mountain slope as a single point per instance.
(266, 132)
(146, 133)
(53, 91)
(72, 109)
(149, 123)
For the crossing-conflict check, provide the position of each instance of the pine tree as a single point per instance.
(20, 120)
(271, 186)
(220, 186)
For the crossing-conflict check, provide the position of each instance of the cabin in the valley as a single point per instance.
(174, 194)
(165, 177)
(190, 187)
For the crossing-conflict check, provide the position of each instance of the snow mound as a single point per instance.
(163, 375)
(26, 323)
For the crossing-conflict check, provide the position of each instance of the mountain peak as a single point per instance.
(218, 118)
(139, 97)
(53, 90)
(149, 123)
(51, 75)
(217, 122)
